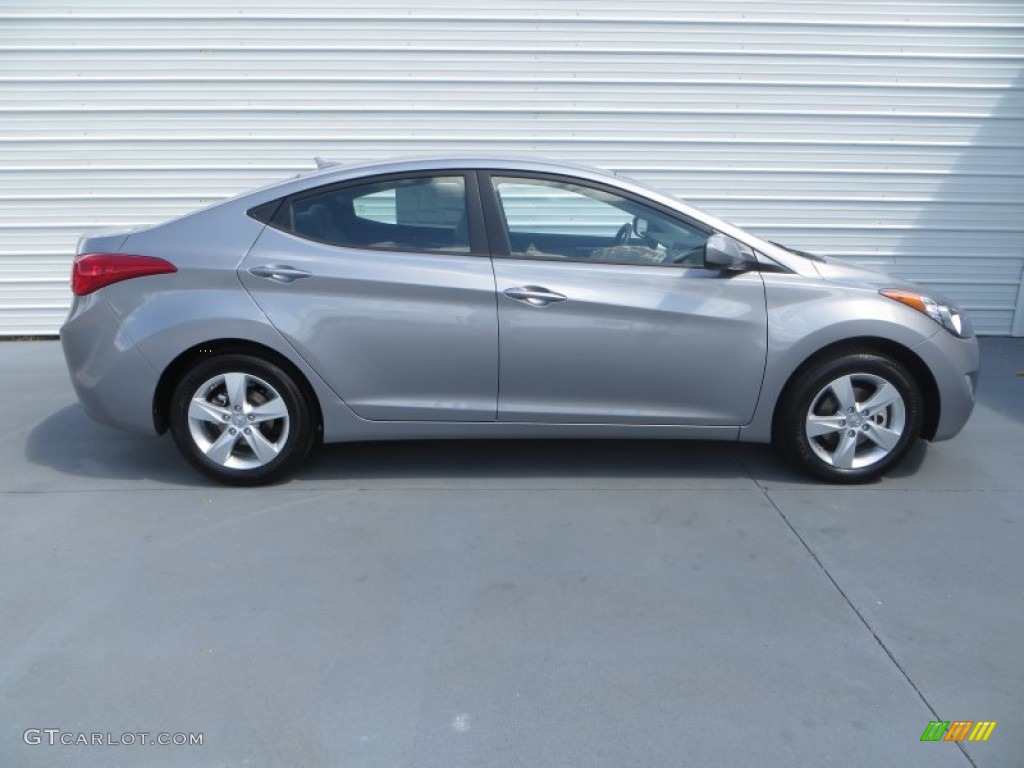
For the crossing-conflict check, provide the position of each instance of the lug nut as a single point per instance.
(865, 427)
(232, 431)
(249, 431)
(850, 409)
(251, 417)
(852, 433)
(842, 422)
(226, 417)
(238, 407)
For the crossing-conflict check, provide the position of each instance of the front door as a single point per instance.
(606, 315)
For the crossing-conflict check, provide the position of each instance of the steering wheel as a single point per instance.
(624, 234)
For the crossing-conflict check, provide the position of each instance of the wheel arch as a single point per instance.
(858, 345)
(179, 365)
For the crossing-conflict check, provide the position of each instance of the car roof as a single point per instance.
(330, 167)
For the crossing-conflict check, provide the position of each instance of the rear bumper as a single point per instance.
(954, 364)
(114, 382)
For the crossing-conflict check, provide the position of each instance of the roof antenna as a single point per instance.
(323, 162)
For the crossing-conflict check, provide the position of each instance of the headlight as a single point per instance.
(946, 315)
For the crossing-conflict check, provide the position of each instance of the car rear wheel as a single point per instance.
(850, 418)
(241, 420)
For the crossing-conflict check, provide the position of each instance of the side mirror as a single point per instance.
(640, 227)
(722, 252)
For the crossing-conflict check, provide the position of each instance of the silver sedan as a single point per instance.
(494, 297)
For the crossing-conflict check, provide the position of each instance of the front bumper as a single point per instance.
(954, 364)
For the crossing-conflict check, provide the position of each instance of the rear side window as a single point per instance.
(425, 213)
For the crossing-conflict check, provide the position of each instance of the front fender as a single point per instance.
(807, 315)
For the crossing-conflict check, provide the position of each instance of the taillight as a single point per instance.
(92, 271)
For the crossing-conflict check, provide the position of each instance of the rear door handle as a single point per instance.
(280, 273)
(534, 295)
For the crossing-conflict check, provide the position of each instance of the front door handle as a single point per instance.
(534, 295)
(280, 273)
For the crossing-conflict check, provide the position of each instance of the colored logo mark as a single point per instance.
(958, 730)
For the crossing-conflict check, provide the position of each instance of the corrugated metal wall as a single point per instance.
(890, 132)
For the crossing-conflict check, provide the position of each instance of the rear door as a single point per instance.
(384, 286)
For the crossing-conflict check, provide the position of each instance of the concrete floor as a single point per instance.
(507, 604)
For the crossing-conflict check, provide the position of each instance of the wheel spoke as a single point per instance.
(886, 395)
(264, 449)
(270, 410)
(203, 410)
(220, 450)
(236, 387)
(883, 437)
(823, 425)
(845, 451)
(842, 388)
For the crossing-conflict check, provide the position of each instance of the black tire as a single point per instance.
(270, 403)
(866, 445)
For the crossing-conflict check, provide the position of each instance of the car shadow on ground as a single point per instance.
(69, 442)
(621, 462)
(72, 444)
(767, 467)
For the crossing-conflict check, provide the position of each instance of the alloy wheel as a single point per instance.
(855, 421)
(238, 420)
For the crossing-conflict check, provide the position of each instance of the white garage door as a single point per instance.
(888, 132)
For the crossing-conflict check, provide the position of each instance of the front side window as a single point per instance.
(553, 219)
(413, 214)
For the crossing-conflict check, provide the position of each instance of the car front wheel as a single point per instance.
(241, 420)
(850, 418)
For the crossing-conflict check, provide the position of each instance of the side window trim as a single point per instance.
(478, 245)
